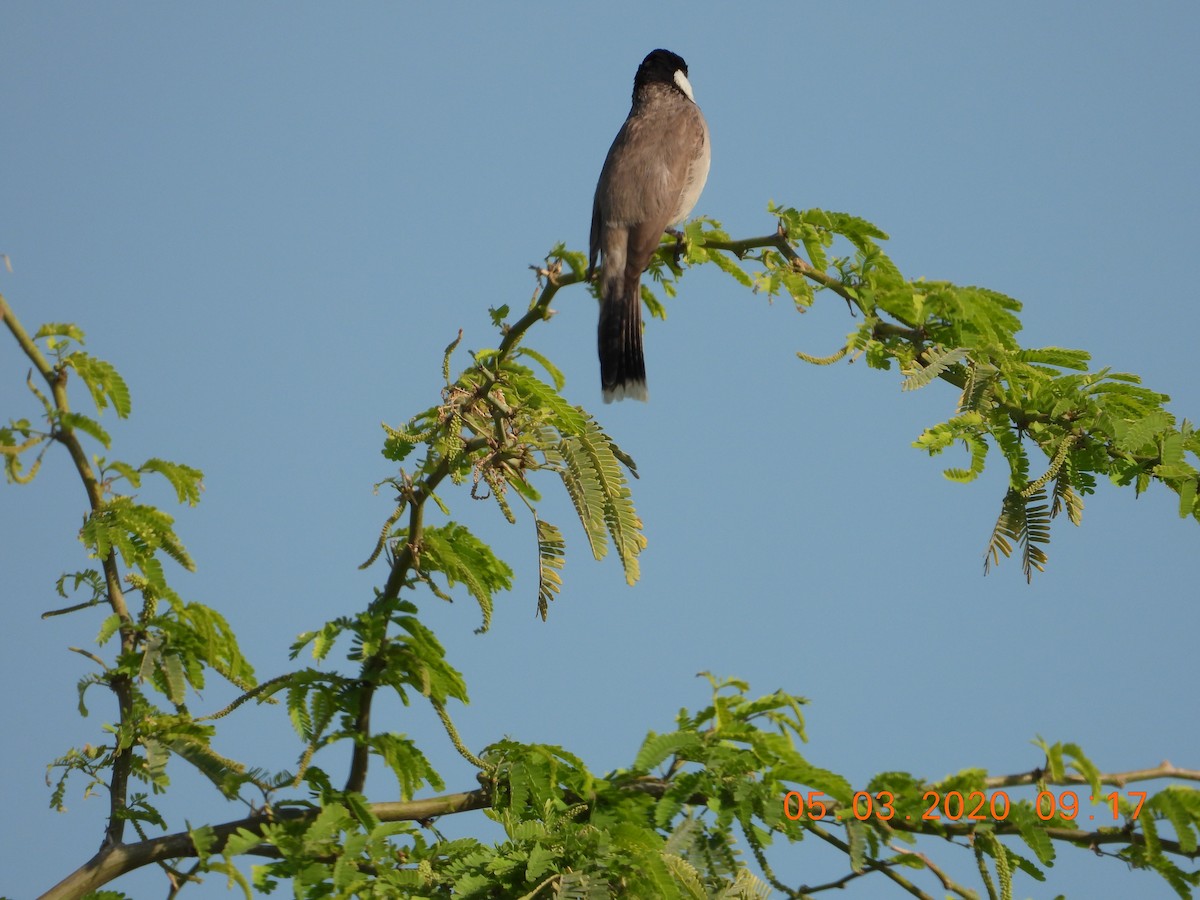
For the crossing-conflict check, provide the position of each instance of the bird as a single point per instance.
(652, 177)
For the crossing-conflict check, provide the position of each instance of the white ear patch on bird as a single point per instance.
(684, 85)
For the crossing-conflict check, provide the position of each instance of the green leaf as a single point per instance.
(240, 842)
(360, 809)
(406, 761)
(656, 748)
(727, 265)
(187, 482)
(203, 838)
(653, 304)
(124, 470)
(226, 775)
(573, 258)
(1084, 766)
(454, 551)
(60, 329)
(1032, 831)
(1181, 807)
(1187, 499)
(551, 556)
(135, 530)
(542, 403)
(1142, 433)
(419, 660)
(103, 382)
(855, 229)
(110, 626)
(980, 378)
(967, 428)
(541, 861)
(172, 669)
(591, 472)
(556, 375)
(90, 427)
(1025, 521)
(936, 360)
(1056, 356)
(584, 490)
(856, 835)
(1154, 850)
(1065, 497)
(207, 637)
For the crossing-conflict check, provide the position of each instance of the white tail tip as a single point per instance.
(630, 390)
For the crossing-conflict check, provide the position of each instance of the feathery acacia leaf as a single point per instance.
(455, 552)
(584, 490)
(1065, 497)
(102, 381)
(88, 426)
(1055, 356)
(656, 748)
(187, 482)
(593, 478)
(135, 530)
(555, 373)
(1025, 521)
(410, 766)
(551, 556)
(68, 330)
(934, 362)
(966, 428)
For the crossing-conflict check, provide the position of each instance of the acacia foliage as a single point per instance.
(699, 808)
(1057, 425)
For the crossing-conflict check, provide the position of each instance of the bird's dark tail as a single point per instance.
(622, 367)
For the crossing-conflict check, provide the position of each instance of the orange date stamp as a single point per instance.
(953, 806)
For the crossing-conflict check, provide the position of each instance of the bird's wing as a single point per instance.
(642, 184)
(594, 238)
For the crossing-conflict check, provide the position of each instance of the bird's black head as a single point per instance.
(662, 67)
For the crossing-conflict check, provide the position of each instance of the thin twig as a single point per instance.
(56, 379)
(885, 870)
(405, 557)
(1164, 769)
(948, 883)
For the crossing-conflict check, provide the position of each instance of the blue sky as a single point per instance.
(273, 217)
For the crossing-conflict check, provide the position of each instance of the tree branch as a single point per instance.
(1163, 770)
(879, 867)
(539, 310)
(779, 241)
(56, 379)
(914, 334)
(113, 862)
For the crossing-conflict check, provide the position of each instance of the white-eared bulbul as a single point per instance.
(652, 177)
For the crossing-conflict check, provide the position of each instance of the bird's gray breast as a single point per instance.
(657, 166)
(697, 171)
